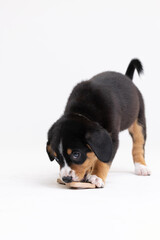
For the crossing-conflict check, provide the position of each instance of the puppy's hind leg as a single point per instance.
(138, 132)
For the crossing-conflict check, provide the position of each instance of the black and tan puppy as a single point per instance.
(85, 139)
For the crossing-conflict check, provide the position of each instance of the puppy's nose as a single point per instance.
(67, 179)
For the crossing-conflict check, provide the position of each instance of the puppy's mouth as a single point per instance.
(67, 174)
(69, 179)
(72, 178)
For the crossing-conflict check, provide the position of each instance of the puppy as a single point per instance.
(84, 140)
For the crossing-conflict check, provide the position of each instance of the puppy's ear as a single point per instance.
(53, 140)
(50, 151)
(101, 144)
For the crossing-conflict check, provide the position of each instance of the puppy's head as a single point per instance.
(76, 143)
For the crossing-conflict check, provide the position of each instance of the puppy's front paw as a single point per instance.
(95, 180)
(142, 170)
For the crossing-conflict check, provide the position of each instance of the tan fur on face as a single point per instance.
(138, 143)
(69, 151)
(82, 169)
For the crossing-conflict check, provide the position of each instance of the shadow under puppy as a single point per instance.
(85, 139)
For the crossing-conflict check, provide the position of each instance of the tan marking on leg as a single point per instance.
(136, 131)
(101, 169)
(81, 170)
(90, 169)
(69, 151)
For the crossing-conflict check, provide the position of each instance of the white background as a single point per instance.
(47, 47)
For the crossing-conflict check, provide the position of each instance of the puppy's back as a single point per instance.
(120, 92)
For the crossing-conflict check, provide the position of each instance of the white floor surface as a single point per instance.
(34, 206)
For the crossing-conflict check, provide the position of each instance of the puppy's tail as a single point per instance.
(134, 64)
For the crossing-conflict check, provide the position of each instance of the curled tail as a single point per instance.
(134, 64)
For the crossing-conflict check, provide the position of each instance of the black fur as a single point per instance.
(96, 111)
(134, 64)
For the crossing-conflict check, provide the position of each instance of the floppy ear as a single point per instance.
(50, 152)
(100, 143)
(53, 139)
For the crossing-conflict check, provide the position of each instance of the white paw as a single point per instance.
(95, 180)
(142, 170)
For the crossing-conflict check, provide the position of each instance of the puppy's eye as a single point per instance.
(75, 155)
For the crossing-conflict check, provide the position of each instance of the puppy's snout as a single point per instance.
(67, 179)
